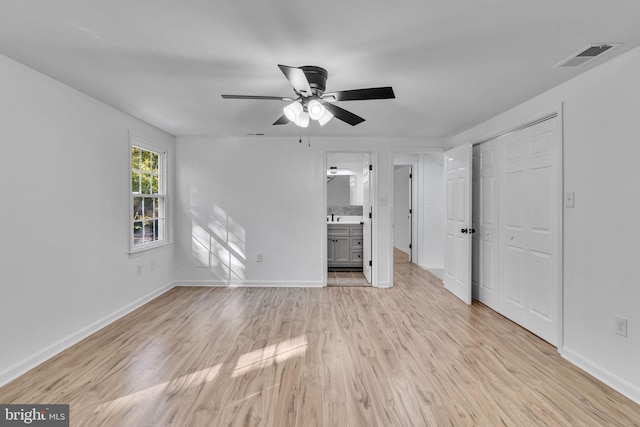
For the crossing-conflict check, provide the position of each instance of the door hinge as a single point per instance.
(410, 211)
(370, 263)
(370, 215)
(409, 245)
(370, 167)
(410, 175)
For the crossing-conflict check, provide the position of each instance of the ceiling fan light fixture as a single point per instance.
(324, 119)
(293, 111)
(316, 109)
(303, 120)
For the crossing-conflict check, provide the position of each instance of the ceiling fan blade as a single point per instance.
(298, 79)
(283, 120)
(360, 94)
(274, 98)
(342, 114)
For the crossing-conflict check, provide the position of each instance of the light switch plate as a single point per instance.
(569, 199)
(621, 326)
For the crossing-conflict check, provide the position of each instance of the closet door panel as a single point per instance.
(529, 227)
(486, 223)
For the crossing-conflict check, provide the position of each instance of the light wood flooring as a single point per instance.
(412, 355)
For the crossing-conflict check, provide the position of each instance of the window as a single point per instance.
(148, 196)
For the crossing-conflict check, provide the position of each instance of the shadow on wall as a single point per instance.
(218, 243)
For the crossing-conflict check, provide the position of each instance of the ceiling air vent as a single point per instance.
(586, 55)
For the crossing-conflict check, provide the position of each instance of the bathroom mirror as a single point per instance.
(344, 179)
(339, 190)
(343, 190)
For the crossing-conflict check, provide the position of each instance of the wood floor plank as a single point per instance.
(412, 355)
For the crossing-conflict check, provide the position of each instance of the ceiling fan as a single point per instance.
(312, 102)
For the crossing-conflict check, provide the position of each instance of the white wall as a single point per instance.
(601, 242)
(432, 204)
(269, 192)
(241, 197)
(64, 264)
(401, 206)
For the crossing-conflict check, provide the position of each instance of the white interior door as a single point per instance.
(367, 215)
(486, 208)
(457, 259)
(529, 191)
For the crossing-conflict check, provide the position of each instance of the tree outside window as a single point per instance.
(147, 196)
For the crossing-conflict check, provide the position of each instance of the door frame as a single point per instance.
(516, 125)
(373, 160)
(413, 205)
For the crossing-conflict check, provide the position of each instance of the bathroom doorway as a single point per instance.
(349, 219)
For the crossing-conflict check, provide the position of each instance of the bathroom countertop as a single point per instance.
(344, 219)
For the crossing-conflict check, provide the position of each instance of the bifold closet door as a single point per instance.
(486, 208)
(529, 228)
(457, 246)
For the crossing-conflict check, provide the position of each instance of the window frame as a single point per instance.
(163, 193)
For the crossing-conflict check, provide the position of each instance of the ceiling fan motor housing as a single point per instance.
(317, 78)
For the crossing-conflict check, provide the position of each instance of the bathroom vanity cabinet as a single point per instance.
(344, 246)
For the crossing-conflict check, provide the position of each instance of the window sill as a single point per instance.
(152, 247)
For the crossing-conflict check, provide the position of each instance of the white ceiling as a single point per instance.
(452, 63)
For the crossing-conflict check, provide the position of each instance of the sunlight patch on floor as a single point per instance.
(182, 383)
(271, 355)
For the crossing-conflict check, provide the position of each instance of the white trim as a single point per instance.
(30, 362)
(150, 248)
(560, 124)
(615, 382)
(251, 283)
(528, 124)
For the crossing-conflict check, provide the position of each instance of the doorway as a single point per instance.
(403, 210)
(426, 200)
(349, 220)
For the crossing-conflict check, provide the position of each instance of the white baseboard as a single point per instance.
(437, 271)
(610, 379)
(250, 283)
(17, 369)
(384, 285)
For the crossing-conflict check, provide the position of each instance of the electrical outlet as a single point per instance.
(621, 326)
(258, 257)
(139, 269)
